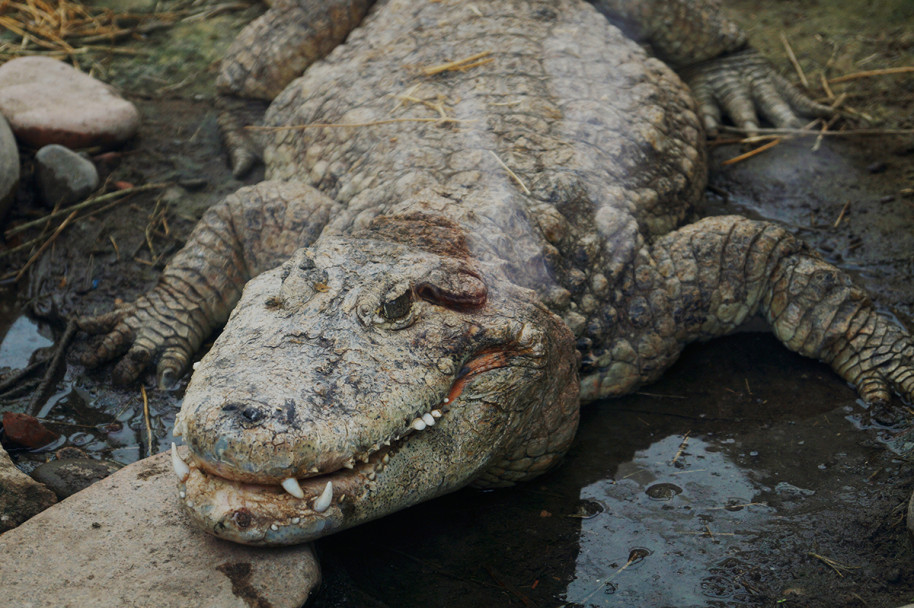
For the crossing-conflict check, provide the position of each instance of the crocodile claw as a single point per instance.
(745, 87)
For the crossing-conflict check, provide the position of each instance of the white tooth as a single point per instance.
(446, 400)
(323, 501)
(386, 458)
(387, 442)
(418, 424)
(428, 419)
(295, 520)
(195, 365)
(290, 485)
(364, 457)
(437, 413)
(371, 476)
(182, 494)
(314, 470)
(349, 464)
(274, 527)
(180, 466)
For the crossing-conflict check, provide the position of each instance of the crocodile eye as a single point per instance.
(397, 308)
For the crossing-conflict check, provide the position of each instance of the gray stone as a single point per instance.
(63, 176)
(47, 101)
(68, 476)
(125, 542)
(21, 497)
(9, 167)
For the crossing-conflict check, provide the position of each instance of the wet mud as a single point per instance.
(747, 476)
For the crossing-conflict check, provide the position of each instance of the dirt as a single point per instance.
(746, 476)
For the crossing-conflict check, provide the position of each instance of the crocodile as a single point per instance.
(473, 220)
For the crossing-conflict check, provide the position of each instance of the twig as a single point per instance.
(811, 133)
(42, 393)
(825, 87)
(659, 396)
(147, 421)
(834, 565)
(509, 588)
(86, 203)
(793, 60)
(511, 173)
(682, 447)
(373, 123)
(841, 215)
(751, 153)
(46, 244)
(460, 64)
(15, 377)
(869, 73)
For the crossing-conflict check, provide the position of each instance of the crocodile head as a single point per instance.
(362, 377)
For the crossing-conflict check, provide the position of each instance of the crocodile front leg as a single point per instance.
(706, 279)
(251, 231)
(268, 54)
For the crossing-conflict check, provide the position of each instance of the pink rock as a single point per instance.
(48, 102)
(27, 430)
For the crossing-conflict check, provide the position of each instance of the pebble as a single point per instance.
(47, 101)
(26, 430)
(68, 476)
(21, 497)
(126, 542)
(63, 176)
(9, 167)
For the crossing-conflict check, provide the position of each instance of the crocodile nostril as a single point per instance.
(251, 414)
(248, 413)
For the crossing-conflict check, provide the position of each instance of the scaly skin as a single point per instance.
(470, 254)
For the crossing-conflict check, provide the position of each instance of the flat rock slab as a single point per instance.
(21, 497)
(47, 101)
(125, 542)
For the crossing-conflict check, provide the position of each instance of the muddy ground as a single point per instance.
(746, 476)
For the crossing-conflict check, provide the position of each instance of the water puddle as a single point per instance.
(671, 513)
(21, 340)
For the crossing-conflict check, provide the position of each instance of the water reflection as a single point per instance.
(675, 510)
(21, 340)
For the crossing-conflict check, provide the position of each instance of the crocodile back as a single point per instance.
(581, 144)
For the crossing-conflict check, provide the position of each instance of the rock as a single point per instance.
(26, 430)
(63, 176)
(68, 476)
(9, 167)
(21, 497)
(46, 101)
(124, 542)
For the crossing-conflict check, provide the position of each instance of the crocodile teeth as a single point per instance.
(436, 413)
(418, 424)
(349, 464)
(181, 468)
(291, 485)
(323, 501)
(371, 476)
(428, 419)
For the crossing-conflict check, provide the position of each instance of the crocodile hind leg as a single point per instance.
(706, 279)
(713, 56)
(268, 54)
(251, 231)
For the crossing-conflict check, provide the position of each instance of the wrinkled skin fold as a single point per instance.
(472, 222)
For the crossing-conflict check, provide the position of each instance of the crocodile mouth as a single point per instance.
(311, 506)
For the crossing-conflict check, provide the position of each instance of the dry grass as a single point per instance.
(65, 29)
